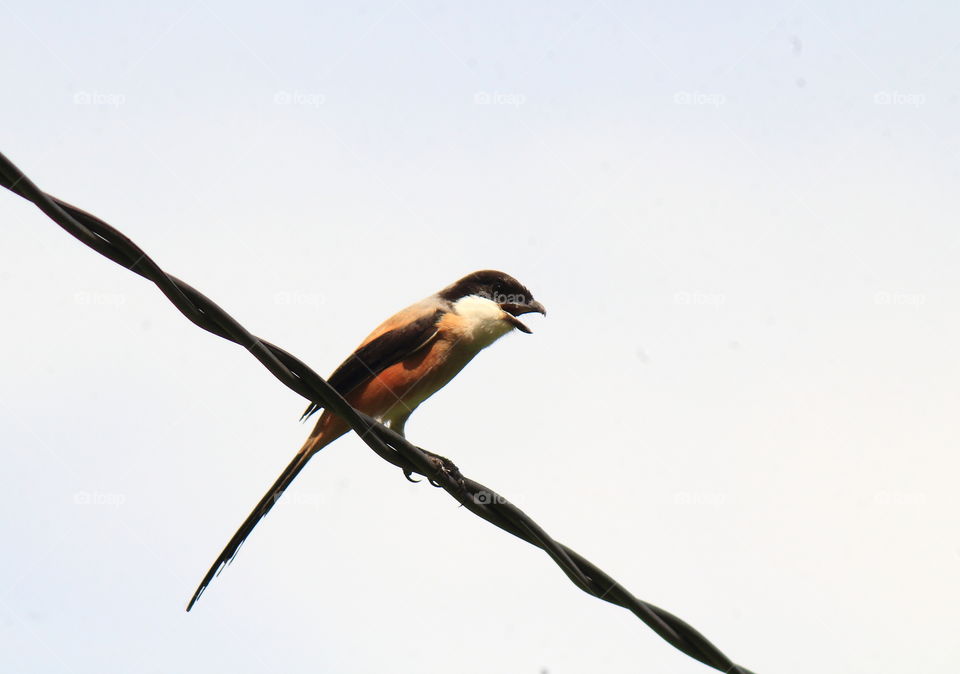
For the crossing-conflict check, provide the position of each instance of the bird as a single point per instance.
(404, 361)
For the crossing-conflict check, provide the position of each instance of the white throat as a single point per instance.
(482, 320)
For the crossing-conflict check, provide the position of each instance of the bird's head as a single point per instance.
(498, 290)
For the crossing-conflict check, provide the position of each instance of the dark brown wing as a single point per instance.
(378, 354)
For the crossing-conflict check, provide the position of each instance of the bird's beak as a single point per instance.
(513, 310)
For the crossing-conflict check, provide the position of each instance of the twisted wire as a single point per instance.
(389, 445)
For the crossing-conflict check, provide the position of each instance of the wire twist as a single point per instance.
(392, 447)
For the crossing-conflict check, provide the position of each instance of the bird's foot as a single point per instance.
(442, 465)
(448, 468)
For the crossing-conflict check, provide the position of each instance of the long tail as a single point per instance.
(322, 436)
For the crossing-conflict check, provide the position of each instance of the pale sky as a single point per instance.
(742, 404)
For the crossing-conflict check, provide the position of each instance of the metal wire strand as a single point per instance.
(392, 447)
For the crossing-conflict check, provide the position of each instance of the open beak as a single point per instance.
(514, 310)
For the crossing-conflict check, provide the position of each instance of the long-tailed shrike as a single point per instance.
(408, 358)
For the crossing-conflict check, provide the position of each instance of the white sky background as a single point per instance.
(742, 404)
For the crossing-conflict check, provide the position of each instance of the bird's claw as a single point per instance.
(442, 465)
(448, 468)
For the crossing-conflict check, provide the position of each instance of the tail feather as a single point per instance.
(314, 444)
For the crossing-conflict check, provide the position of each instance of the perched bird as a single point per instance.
(408, 358)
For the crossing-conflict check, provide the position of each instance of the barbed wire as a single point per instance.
(389, 445)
